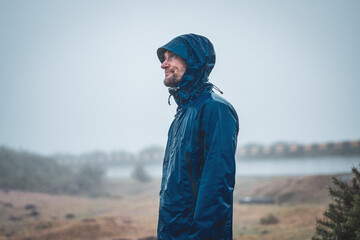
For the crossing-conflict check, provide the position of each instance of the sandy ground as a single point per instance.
(130, 211)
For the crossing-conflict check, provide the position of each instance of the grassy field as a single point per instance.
(129, 211)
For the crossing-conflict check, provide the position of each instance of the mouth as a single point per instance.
(167, 73)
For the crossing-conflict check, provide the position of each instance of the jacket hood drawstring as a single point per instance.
(218, 89)
(172, 92)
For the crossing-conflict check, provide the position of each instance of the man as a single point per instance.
(196, 195)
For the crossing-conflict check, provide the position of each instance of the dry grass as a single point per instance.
(128, 217)
(130, 212)
(295, 222)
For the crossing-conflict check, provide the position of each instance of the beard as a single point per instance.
(171, 81)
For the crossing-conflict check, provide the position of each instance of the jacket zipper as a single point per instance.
(203, 136)
(191, 176)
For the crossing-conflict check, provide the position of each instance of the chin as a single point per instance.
(171, 81)
(168, 83)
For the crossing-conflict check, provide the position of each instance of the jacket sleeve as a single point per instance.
(213, 210)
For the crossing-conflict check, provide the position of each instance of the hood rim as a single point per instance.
(195, 76)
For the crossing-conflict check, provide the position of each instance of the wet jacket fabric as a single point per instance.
(196, 196)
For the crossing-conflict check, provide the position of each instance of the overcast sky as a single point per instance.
(77, 76)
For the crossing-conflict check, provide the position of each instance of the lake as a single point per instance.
(263, 167)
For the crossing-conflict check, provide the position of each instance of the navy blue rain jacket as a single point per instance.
(196, 196)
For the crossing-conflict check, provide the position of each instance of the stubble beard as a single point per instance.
(171, 81)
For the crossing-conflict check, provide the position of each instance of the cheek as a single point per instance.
(184, 67)
(183, 70)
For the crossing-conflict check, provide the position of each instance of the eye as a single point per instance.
(172, 56)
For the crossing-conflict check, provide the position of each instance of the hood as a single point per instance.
(199, 54)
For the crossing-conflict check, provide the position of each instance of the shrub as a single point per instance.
(342, 218)
(20, 170)
(89, 180)
(140, 174)
(269, 219)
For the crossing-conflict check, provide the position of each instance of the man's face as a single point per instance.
(174, 67)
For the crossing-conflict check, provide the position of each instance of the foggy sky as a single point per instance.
(80, 75)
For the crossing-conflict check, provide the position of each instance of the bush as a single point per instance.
(342, 218)
(270, 219)
(140, 174)
(89, 180)
(31, 172)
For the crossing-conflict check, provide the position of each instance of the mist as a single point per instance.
(80, 76)
(84, 113)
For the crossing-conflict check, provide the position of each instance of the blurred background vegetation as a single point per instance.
(21, 170)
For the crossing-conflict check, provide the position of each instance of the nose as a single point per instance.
(165, 64)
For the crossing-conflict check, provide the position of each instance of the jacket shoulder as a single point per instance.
(215, 101)
(214, 106)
